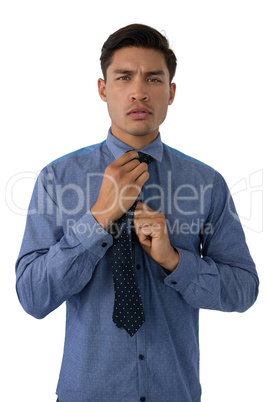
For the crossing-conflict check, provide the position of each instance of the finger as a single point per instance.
(144, 210)
(131, 165)
(148, 227)
(139, 209)
(126, 157)
(141, 180)
(142, 206)
(144, 240)
(139, 170)
(145, 229)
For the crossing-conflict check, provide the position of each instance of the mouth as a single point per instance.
(139, 113)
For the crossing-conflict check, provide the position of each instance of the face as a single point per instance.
(138, 92)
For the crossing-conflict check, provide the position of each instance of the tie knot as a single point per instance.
(145, 157)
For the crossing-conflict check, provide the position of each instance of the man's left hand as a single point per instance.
(151, 229)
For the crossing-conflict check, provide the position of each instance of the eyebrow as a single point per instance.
(123, 71)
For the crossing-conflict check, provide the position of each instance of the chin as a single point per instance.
(140, 132)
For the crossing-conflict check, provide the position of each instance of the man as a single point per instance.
(185, 251)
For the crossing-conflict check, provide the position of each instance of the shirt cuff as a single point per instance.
(185, 272)
(91, 235)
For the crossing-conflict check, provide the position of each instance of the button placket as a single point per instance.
(142, 363)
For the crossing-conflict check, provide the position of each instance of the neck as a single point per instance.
(135, 141)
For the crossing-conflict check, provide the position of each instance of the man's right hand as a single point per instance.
(122, 182)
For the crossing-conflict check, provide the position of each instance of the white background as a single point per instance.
(49, 106)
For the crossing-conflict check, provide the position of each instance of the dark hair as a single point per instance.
(137, 35)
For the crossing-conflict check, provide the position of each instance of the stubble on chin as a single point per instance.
(137, 131)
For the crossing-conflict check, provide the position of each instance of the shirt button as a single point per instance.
(138, 266)
(104, 245)
(141, 357)
(174, 283)
(143, 398)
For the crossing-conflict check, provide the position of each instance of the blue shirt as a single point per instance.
(66, 257)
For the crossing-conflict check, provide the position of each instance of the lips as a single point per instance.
(138, 113)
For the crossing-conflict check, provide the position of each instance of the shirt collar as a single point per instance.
(118, 148)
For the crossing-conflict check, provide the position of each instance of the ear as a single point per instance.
(102, 89)
(172, 93)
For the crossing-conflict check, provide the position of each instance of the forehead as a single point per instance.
(136, 58)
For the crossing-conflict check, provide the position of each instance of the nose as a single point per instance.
(138, 92)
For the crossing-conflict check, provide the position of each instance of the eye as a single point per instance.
(123, 78)
(154, 80)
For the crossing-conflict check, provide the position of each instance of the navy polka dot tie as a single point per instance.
(128, 310)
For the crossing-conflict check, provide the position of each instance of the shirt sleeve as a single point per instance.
(53, 265)
(223, 275)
